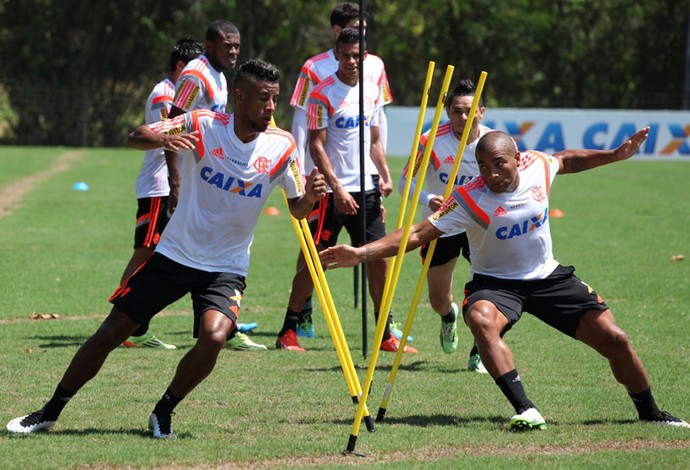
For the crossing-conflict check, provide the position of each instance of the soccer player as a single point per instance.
(152, 186)
(448, 246)
(231, 164)
(202, 85)
(316, 69)
(333, 113)
(505, 213)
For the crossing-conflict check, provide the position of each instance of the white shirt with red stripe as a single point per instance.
(508, 233)
(152, 180)
(225, 184)
(334, 106)
(441, 162)
(323, 65)
(200, 86)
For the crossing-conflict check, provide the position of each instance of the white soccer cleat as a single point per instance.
(30, 423)
(666, 419)
(527, 420)
(161, 426)
(475, 364)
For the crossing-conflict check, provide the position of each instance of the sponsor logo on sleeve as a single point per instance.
(445, 209)
(305, 90)
(294, 170)
(179, 129)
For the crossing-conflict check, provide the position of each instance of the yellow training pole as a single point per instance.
(430, 252)
(413, 153)
(325, 299)
(386, 301)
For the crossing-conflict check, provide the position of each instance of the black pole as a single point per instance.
(362, 202)
(686, 82)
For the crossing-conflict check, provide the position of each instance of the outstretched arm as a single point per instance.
(143, 138)
(341, 256)
(574, 161)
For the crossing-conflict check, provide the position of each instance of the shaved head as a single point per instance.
(496, 141)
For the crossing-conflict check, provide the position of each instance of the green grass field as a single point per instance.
(62, 252)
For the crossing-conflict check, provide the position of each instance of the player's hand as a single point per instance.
(385, 186)
(315, 188)
(435, 203)
(630, 147)
(344, 202)
(339, 256)
(173, 196)
(177, 142)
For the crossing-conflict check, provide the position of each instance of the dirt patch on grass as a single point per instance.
(11, 196)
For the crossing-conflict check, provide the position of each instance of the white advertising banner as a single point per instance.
(552, 130)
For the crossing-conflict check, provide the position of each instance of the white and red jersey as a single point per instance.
(509, 233)
(334, 106)
(200, 86)
(323, 65)
(152, 180)
(441, 162)
(225, 184)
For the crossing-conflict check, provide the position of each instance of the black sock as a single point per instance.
(511, 386)
(387, 331)
(166, 404)
(290, 321)
(449, 317)
(141, 331)
(54, 407)
(474, 349)
(306, 310)
(647, 408)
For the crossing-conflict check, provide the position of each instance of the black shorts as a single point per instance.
(161, 281)
(447, 248)
(152, 217)
(327, 225)
(559, 300)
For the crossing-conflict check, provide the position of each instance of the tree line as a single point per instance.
(77, 73)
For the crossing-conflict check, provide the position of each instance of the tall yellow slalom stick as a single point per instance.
(432, 246)
(326, 300)
(413, 152)
(395, 270)
(324, 295)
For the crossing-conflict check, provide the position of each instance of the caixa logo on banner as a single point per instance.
(554, 131)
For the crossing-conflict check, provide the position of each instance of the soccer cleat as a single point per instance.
(664, 418)
(30, 423)
(305, 329)
(474, 364)
(528, 419)
(147, 340)
(241, 342)
(289, 341)
(392, 344)
(246, 327)
(161, 426)
(448, 335)
(397, 331)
